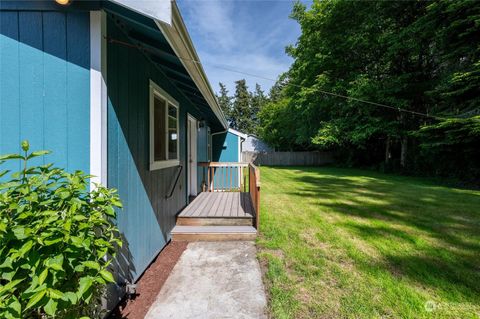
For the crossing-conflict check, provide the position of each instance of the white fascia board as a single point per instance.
(238, 133)
(159, 10)
(177, 36)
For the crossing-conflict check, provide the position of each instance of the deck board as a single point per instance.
(219, 204)
(201, 202)
(228, 207)
(235, 202)
(216, 203)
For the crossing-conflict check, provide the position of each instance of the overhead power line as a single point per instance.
(230, 69)
(399, 109)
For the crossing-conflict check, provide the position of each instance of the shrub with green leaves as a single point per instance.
(57, 240)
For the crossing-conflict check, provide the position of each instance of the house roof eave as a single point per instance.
(177, 35)
(160, 10)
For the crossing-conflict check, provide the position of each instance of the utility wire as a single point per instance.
(399, 109)
(337, 95)
(226, 68)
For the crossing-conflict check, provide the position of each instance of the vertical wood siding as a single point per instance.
(225, 149)
(45, 85)
(147, 217)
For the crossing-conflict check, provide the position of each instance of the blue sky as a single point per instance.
(245, 35)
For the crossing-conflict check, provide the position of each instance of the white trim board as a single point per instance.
(156, 90)
(192, 154)
(238, 133)
(98, 100)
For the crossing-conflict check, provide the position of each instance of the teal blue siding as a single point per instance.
(45, 85)
(225, 149)
(148, 216)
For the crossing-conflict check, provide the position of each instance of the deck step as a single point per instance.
(213, 233)
(214, 221)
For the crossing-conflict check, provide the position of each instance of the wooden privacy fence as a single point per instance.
(232, 177)
(289, 158)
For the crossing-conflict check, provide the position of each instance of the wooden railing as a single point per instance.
(232, 177)
(223, 177)
(254, 190)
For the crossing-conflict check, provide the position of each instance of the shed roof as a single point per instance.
(238, 133)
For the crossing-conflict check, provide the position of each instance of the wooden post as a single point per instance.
(208, 178)
(212, 173)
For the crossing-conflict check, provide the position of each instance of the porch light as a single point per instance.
(63, 2)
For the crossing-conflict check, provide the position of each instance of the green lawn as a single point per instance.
(344, 243)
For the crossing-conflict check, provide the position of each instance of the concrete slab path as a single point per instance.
(213, 280)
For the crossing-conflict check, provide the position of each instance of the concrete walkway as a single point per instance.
(213, 280)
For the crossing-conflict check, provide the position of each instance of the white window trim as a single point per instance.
(155, 90)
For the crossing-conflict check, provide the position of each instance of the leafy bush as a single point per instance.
(56, 241)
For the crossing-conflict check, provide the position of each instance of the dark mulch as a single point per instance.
(150, 283)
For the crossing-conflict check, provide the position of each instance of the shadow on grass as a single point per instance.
(443, 249)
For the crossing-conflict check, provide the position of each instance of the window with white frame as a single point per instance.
(164, 139)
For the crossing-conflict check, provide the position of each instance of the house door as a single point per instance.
(192, 156)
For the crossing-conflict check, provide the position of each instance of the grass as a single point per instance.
(345, 243)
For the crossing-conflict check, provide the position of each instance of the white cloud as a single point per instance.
(212, 19)
(245, 36)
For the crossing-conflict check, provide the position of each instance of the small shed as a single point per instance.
(228, 146)
(255, 145)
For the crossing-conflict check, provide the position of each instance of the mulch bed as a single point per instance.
(149, 285)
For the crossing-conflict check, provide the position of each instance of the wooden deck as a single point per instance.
(219, 215)
(219, 205)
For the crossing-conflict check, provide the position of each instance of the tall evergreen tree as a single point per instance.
(276, 90)
(241, 110)
(225, 102)
(258, 100)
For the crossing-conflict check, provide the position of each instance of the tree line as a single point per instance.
(387, 84)
(242, 109)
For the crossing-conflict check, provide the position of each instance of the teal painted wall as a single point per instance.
(45, 85)
(147, 217)
(225, 149)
